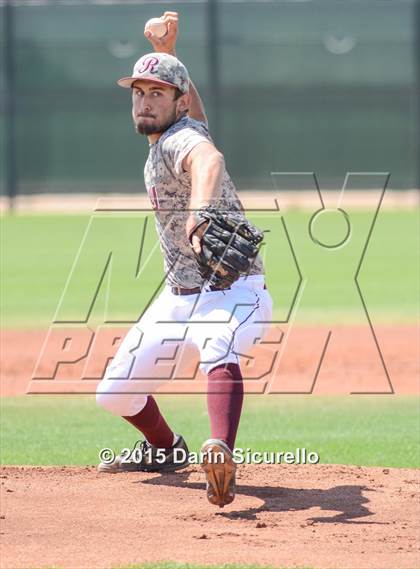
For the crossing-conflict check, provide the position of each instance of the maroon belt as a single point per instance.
(196, 290)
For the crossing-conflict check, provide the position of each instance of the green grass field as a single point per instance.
(361, 430)
(38, 253)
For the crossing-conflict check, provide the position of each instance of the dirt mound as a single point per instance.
(315, 516)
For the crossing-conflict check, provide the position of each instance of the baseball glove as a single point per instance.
(229, 245)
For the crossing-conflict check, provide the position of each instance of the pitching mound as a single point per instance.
(314, 516)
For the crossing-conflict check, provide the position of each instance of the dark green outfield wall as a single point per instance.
(327, 86)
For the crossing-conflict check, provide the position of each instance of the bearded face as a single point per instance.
(150, 124)
(156, 107)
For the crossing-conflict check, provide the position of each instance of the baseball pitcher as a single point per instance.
(214, 303)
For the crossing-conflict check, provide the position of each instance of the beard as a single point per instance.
(143, 127)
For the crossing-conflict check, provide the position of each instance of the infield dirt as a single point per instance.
(290, 516)
(351, 362)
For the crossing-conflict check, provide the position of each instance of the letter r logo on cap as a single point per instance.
(149, 63)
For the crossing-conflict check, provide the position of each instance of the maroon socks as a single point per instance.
(225, 393)
(153, 426)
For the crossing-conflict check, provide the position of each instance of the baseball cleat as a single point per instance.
(220, 471)
(146, 458)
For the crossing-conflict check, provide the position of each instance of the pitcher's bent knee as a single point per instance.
(120, 404)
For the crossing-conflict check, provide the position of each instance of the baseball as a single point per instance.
(156, 26)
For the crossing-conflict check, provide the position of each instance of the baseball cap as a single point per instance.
(160, 68)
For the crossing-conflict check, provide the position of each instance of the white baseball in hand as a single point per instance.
(156, 26)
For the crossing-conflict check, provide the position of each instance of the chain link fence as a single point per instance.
(321, 85)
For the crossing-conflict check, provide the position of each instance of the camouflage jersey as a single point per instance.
(169, 189)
